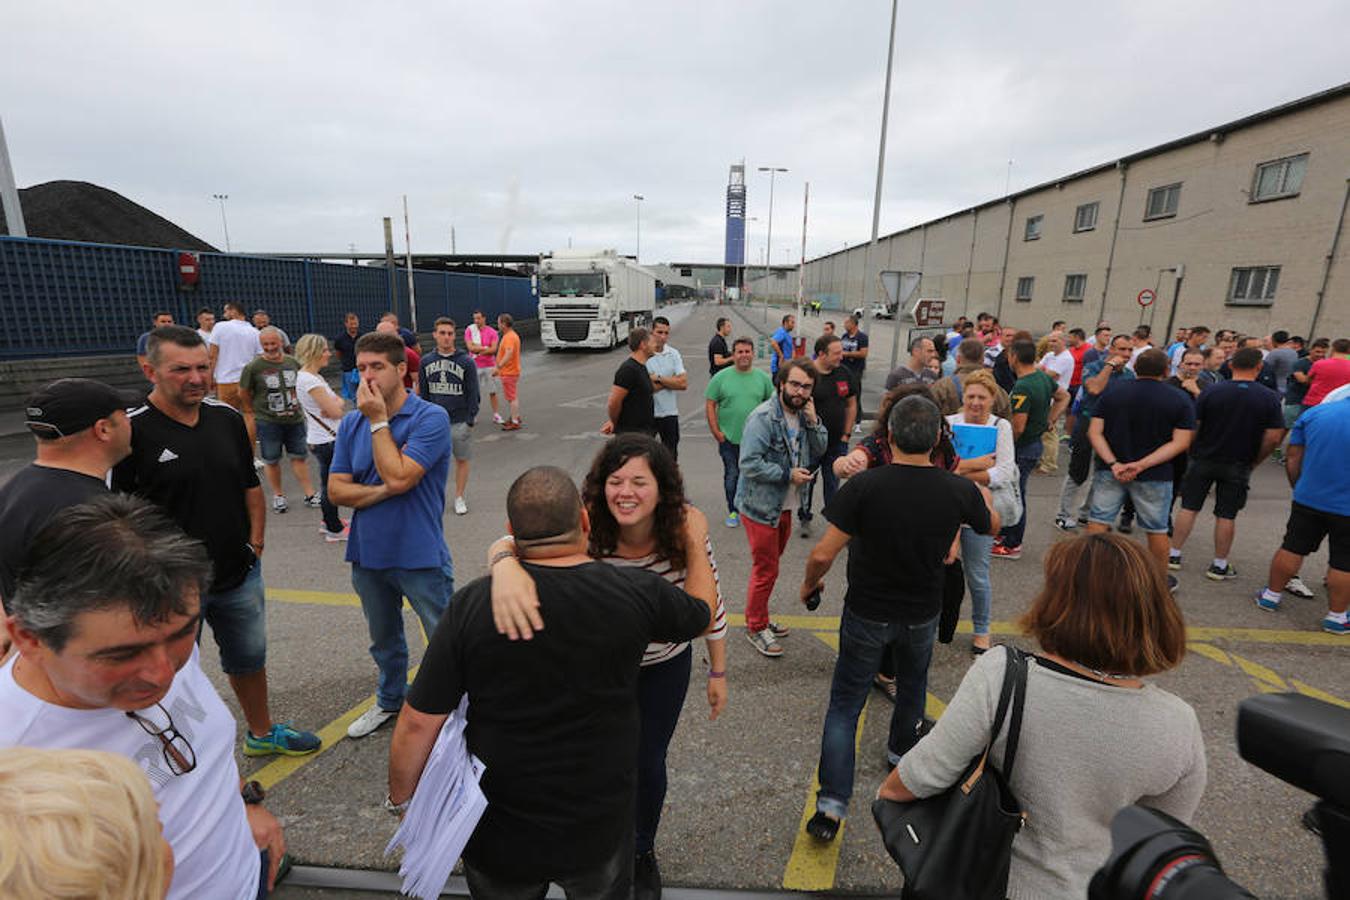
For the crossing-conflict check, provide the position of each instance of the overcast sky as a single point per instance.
(526, 124)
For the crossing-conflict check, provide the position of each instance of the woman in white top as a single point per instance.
(1095, 736)
(1000, 467)
(634, 496)
(323, 413)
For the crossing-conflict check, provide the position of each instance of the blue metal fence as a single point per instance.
(63, 298)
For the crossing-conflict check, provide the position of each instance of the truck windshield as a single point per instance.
(579, 284)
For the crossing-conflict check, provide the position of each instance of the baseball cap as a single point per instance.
(70, 405)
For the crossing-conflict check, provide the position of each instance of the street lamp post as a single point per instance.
(768, 236)
(637, 255)
(223, 221)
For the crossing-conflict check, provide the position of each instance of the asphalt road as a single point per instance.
(739, 786)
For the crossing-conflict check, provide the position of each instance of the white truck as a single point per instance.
(591, 298)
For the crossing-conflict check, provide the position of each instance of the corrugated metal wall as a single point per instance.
(62, 298)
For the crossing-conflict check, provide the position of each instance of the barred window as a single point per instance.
(1074, 288)
(1254, 286)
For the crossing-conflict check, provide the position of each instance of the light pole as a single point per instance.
(768, 236)
(637, 255)
(223, 221)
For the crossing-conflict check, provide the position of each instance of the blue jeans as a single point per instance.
(825, 471)
(731, 471)
(382, 592)
(350, 379)
(975, 548)
(862, 643)
(238, 622)
(324, 454)
(273, 437)
(1027, 458)
(661, 691)
(1152, 501)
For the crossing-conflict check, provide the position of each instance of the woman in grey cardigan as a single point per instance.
(1095, 737)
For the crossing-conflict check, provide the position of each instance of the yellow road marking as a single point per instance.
(1265, 679)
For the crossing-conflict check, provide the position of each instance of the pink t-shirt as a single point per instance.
(1325, 376)
(487, 336)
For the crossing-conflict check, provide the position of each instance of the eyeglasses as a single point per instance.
(801, 386)
(178, 753)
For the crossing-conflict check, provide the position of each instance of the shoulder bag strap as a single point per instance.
(1004, 696)
(322, 424)
(1018, 672)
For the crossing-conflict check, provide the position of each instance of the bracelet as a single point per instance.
(378, 426)
(397, 809)
(715, 674)
(501, 555)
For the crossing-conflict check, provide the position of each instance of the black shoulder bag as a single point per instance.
(957, 845)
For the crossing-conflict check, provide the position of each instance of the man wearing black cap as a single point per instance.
(82, 431)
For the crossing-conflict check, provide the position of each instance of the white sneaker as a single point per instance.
(334, 537)
(497, 417)
(460, 506)
(279, 504)
(259, 464)
(1296, 587)
(368, 721)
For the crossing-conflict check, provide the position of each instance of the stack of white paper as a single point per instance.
(444, 811)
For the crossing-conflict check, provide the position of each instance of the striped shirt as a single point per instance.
(660, 651)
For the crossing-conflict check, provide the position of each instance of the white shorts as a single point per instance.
(487, 384)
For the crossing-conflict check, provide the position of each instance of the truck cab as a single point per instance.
(592, 298)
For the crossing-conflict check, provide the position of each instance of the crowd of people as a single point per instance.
(143, 518)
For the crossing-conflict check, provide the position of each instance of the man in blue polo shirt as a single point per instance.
(781, 344)
(390, 465)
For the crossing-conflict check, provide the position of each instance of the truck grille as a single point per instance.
(581, 312)
(569, 330)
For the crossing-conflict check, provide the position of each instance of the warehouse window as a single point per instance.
(1024, 288)
(1086, 217)
(1163, 201)
(1254, 286)
(1075, 286)
(1279, 178)
(1033, 231)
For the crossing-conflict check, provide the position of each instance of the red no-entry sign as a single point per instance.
(1146, 297)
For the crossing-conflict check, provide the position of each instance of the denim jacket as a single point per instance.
(766, 464)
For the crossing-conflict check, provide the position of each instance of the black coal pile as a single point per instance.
(80, 211)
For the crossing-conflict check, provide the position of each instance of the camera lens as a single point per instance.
(1191, 876)
(1156, 857)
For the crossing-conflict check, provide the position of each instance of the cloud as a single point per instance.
(525, 125)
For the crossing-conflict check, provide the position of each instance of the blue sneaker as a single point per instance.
(732, 520)
(1266, 603)
(283, 740)
(1331, 626)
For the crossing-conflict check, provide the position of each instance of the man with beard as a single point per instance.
(780, 439)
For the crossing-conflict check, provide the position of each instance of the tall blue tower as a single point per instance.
(735, 246)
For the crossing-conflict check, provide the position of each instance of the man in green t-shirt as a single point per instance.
(267, 387)
(1036, 400)
(731, 395)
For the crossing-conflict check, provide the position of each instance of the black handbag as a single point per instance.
(957, 845)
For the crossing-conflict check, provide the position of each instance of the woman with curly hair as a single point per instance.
(634, 496)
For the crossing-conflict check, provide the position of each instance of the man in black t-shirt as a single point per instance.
(855, 343)
(630, 398)
(82, 431)
(1139, 428)
(554, 719)
(899, 523)
(345, 346)
(192, 457)
(1239, 423)
(836, 401)
(719, 353)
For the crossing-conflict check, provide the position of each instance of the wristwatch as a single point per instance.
(397, 809)
(253, 793)
(378, 426)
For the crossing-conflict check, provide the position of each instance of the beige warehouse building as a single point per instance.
(1239, 226)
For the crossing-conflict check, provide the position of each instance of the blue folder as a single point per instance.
(974, 440)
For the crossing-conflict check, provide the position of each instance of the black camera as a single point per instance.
(1299, 740)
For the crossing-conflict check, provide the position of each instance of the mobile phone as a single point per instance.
(813, 600)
